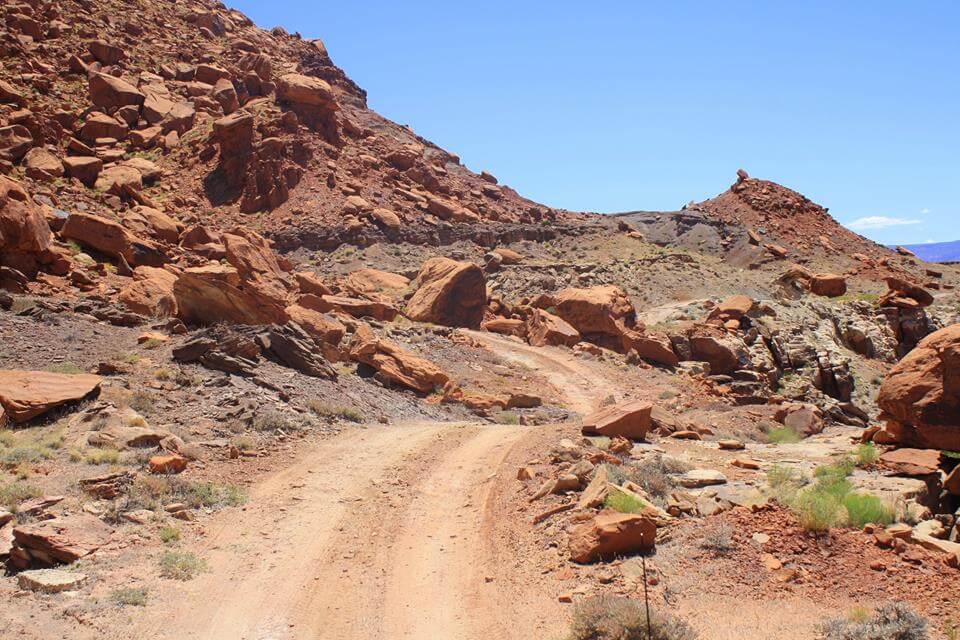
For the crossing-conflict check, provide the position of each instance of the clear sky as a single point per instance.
(614, 106)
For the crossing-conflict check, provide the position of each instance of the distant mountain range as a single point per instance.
(936, 251)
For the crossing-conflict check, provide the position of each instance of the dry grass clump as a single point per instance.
(892, 621)
(618, 618)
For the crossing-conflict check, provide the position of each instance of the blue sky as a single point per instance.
(614, 106)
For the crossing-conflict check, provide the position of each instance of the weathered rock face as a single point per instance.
(108, 92)
(150, 293)
(356, 307)
(15, 141)
(627, 419)
(545, 329)
(320, 325)
(731, 309)
(920, 396)
(25, 236)
(27, 394)
(450, 293)
(597, 310)
(111, 238)
(313, 100)
(374, 284)
(216, 293)
(610, 534)
(394, 364)
(724, 351)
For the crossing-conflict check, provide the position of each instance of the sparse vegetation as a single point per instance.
(653, 475)
(102, 456)
(506, 417)
(14, 493)
(325, 410)
(152, 492)
(272, 420)
(64, 367)
(892, 621)
(783, 435)
(867, 454)
(863, 508)
(129, 597)
(181, 565)
(718, 538)
(141, 401)
(169, 534)
(623, 502)
(619, 618)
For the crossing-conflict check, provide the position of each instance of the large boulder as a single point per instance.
(611, 534)
(15, 141)
(629, 419)
(450, 293)
(150, 293)
(920, 396)
(356, 307)
(108, 92)
(395, 364)
(545, 329)
(374, 284)
(112, 239)
(28, 394)
(305, 90)
(602, 309)
(724, 351)
(320, 325)
(829, 285)
(24, 233)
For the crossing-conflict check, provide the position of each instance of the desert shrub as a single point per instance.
(653, 474)
(506, 417)
(867, 454)
(816, 510)
(623, 502)
(152, 492)
(243, 443)
(272, 420)
(142, 402)
(892, 621)
(169, 534)
(129, 597)
(863, 508)
(324, 410)
(619, 618)
(181, 565)
(64, 367)
(102, 456)
(16, 492)
(782, 435)
(718, 538)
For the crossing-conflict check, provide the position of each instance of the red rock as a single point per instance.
(920, 396)
(629, 419)
(376, 285)
(108, 92)
(912, 462)
(595, 310)
(356, 307)
(724, 351)
(24, 233)
(828, 284)
(395, 364)
(42, 165)
(508, 256)
(216, 293)
(611, 534)
(311, 283)
(112, 239)
(506, 326)
(449, 293)
(86, 169)
(320, 325)
(62, 540)
(168, 464)
(15, 141)
(105, 52)
(27, 394)
(544, 328)
(905, 295)
(448, 210)
(732, 308)
(305, 90)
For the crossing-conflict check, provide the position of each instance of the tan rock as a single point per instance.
(828, 284)
(912, 462)
(24, 233)
(320, 325)
(111, 238)
(65, 539)
(150, 292)
(395, 364)
(545, 329)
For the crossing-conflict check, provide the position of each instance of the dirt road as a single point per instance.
(380, 532)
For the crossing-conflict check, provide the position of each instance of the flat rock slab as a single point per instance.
(64, 539)
(701, 478)
(50, 580)
(27, 394)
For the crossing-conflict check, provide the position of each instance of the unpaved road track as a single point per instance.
(380, 532)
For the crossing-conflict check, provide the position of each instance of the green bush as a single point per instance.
(782, 435)
(324, 410)
(618, 618)
(816, 510)
(623, 502)
(129, 597)
(867, 454)
(181, 565)
(863, 508)
(16, 492)
(892, 621)
(169, 534)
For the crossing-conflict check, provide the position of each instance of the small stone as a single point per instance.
(744, 463)
(770, 562)
(878, 565)
(731, 445)
(701, 478)
(760, 538)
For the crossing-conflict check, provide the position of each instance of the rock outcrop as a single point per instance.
(394, 364)
(629, 420)
(28, 394)
(611, 534)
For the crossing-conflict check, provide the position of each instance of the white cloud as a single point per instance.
(924, 211)
(878, 222)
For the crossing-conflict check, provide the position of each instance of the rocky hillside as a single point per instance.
(223, 279)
